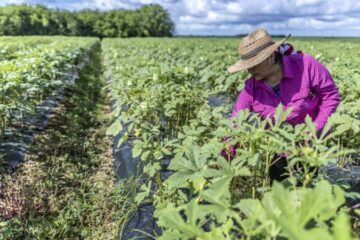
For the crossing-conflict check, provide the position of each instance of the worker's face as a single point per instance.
(263, 69)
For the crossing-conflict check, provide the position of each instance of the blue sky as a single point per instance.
(227, 17)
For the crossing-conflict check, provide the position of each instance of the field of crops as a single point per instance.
(161, 89)
(171, 100)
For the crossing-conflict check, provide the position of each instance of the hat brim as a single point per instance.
(243, 64)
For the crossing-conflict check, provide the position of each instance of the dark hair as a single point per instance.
(277, 57)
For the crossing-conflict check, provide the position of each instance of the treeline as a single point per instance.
(148, 21)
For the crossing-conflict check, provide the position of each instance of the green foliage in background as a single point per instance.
(149, 20)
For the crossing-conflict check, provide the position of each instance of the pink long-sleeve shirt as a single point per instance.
(307, 87)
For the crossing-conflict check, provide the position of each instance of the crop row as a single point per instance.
(31, 68)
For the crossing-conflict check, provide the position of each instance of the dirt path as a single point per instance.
(66, 187)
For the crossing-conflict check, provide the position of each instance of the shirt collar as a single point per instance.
(286, 67)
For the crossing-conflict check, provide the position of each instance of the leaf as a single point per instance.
(3, 224)
(165, 151)
(115, 128)
(218, 191)
(152, 168)
(281, 115)
(144, 155)
(145, 192)
(194, 212)
(170, 218)
(137, 150)
(341, 129)
(123, 139)
(243, 171)
(342, 228)
(198, 183)
(310, 125)
(170, 234)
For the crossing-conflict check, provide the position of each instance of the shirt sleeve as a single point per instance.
(244, 100)
(325, 87)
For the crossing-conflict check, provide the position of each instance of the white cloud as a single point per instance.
(196, 7)
(300, 3)
(5, 2)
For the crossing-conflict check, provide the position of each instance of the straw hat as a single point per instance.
(255, 48)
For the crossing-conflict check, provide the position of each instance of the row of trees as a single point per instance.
(150, 20)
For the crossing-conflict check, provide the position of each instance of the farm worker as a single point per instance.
(280, 75)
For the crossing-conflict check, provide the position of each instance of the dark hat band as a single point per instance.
(254, 52)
